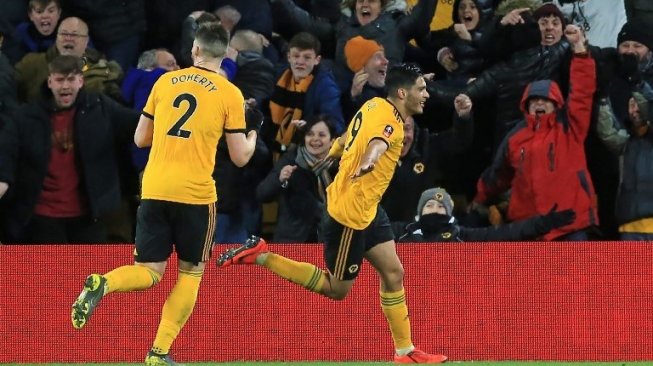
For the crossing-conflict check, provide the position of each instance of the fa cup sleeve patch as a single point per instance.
(388, 130)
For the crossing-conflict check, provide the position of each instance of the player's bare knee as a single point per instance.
(336, 290)
(155, 267)
(393, 278)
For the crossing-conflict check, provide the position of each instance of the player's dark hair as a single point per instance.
(212, 39)
(66, 65)
(401, 76)
(305, 41)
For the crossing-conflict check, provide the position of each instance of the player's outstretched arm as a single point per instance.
(144, 132)
(241, 147)
(374, 150)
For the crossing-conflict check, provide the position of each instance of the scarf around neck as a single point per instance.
(286, 104)
(310, 162)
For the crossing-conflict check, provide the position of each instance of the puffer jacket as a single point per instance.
(505, 82)
(543, 158)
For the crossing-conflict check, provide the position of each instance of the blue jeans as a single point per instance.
(230, 229)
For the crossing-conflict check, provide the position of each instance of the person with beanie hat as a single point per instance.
(435, 194)
(635, 39)
(371, 19)
(359, 50)
(435, 223)
(634, 145)
(366, 59)
(637, 32)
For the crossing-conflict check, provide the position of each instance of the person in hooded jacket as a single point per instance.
(542, 159)
(435, 223)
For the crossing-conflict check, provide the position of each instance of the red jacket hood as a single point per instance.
(545, 89)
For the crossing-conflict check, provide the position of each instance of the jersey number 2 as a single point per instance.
(176, 130)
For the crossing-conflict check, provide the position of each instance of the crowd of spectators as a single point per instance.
(556, 126)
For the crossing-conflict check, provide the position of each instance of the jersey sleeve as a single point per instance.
(385, 127)
(235, 112)
(148, 110)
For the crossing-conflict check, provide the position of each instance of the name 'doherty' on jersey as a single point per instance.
(208, 84)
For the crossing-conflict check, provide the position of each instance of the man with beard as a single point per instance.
(58, 158)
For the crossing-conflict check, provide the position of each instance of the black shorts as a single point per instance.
(344, 248)
(161, 225)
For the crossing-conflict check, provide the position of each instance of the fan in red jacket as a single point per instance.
(543, 158)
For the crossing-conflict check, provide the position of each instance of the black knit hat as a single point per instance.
(636, 31)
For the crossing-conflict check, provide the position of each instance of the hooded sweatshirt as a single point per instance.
(543, 158)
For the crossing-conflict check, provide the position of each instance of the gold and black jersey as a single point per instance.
(191, 109)
(353, 201)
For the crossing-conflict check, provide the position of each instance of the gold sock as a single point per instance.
(130, 278)
(396, 312)
(304, 274)
(177, 310)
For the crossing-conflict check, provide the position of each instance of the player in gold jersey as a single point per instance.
(186, 114)
(355, 227)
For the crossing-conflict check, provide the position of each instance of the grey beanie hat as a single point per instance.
(438, 194)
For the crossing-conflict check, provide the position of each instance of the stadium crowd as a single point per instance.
(557, 137)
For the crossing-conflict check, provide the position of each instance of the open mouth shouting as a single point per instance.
(366, 15)
(469, 21)
(65, 98)
(549, 38)
(45, 26)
